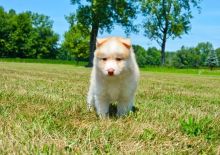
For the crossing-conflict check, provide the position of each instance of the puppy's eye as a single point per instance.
(118, 59)
(104, 59)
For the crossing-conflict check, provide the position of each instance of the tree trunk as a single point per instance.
(163, 47)
(164, 37)
(92, 44)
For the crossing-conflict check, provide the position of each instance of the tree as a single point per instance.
(26, 35)
(100, 16)
(187, 57)
(212, 60)
(19, 37)
(150, 57)
(153, 56)
(141, 55)
(4, 31)
(15, 31)
(204, 48)
(7, 26)
(76, 42)
(170, 56)
(167, 19)
(43, 39)
(218, 53)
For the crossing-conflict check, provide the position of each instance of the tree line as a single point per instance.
(27, 35)
(202, 55)
(30, 35)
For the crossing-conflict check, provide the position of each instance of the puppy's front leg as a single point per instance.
(124, 106)
(102, 107)
(90, 98)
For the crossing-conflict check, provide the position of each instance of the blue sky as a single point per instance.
(205, 26)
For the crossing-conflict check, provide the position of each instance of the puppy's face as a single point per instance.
(112, 55)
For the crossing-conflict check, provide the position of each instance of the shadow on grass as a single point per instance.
(113, 110)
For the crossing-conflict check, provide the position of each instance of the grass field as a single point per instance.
(43, 111)
(46, 61)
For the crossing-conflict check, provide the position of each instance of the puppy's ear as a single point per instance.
(126, 42)
(100, 41)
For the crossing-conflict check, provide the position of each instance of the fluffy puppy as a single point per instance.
(114, 76)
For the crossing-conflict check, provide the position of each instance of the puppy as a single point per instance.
(114, 76)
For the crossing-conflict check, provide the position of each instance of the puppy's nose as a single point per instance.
(110, 71)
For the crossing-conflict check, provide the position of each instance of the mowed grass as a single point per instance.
(43, 111)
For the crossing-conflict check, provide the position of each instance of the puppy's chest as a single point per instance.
(115, 89)
(113, 92)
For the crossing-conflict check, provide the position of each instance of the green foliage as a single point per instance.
(100, 16)
(7, 26)
(26, 35)
(153, 56)
(186, 58)
(212, 60)
(218, 53)
(63, 54)
(169, 58)
(147, 135)
(44, 41)
(19, 38)
(149, 57)
(105, 13)
(167, 19)
(76, 42)
(196, 57)
(193, 127)
(203, 50)
(141, 55)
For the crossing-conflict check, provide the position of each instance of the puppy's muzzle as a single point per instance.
(110, 71)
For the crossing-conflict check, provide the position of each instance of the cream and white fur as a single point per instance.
(114, 76)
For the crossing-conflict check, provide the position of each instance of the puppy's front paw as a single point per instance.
(123, 109)
(90, 108)
(119, 114)
(103, 116)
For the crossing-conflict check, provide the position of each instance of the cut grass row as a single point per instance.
(43, 110)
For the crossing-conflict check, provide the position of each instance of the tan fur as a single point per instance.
(124, 46)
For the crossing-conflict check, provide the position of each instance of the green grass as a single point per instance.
(194, 71)
(47, 61)
(43, 111)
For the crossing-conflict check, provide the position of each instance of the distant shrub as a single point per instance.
(212, 60)
(149, 57)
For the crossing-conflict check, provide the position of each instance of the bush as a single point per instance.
(147, 57)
